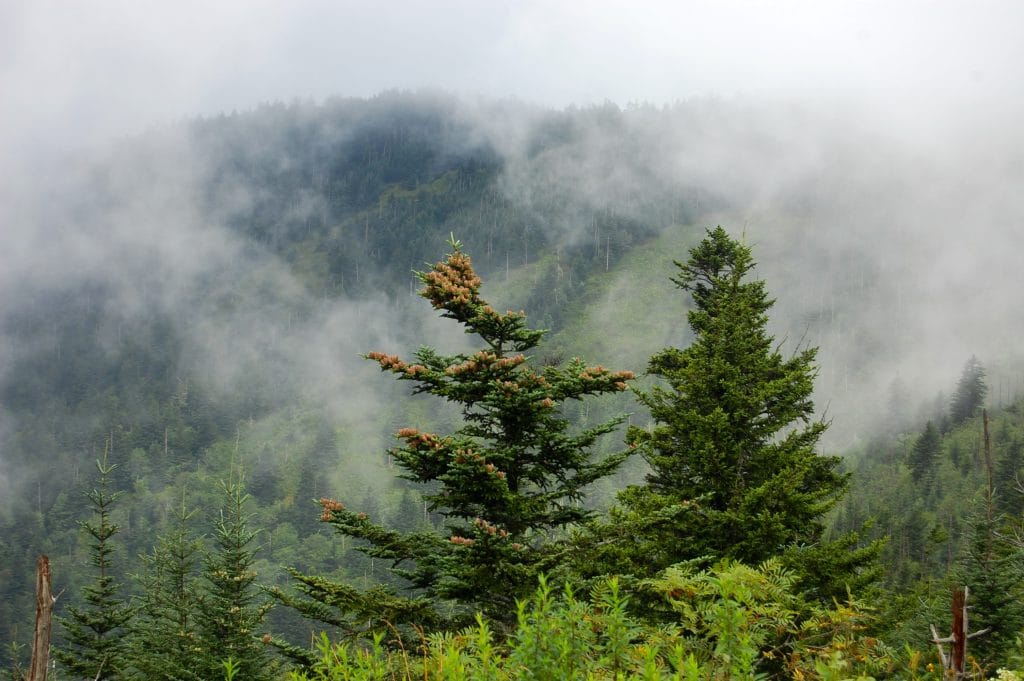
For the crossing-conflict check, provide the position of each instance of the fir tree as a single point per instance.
(164, 640)
(409, 514)
(734, 471)
(92, 641)
(1010, 479)
(925, 454)
(505, 483)
(970, 392)
(232, 610)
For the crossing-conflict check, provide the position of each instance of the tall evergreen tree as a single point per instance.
(506, 482)
(925, 454)
(970, 392)
(897, 409)
(92, 643)
(232, 609)
(734, 471)
(1010, 478)
(164, 640)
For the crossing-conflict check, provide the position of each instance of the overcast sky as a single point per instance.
(76, 73)
(84, 71)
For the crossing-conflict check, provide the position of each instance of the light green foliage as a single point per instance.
(1012, 668)
(231, 667)
(555, 639)
(568, 638)
(730, 614)
(15, 672)
(740, 622)
(232, 609)
(91, 636)
(734, 622)
(164, 642)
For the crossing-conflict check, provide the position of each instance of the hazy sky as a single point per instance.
(73, 70)
(939, 85)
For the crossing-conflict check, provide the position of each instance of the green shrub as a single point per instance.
(735, 622)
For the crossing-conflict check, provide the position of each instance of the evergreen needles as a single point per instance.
(506, 482)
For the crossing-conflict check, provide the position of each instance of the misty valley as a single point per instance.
(416, 387)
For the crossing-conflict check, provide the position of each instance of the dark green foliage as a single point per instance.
(734, 471)
(390, 177)
(1009, 477)
(940, 539)
(409, 514)
(970, 392)
(505, 482)
(925, 454)
(91, 635)
(993, 569)
(164, 639)
(232, 609)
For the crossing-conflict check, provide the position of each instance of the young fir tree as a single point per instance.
(734, 471)
(92, 640)
(232, 610)
(164, 637)
(506, 482)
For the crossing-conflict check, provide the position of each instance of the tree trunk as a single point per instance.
(44, 614)
(959, 652)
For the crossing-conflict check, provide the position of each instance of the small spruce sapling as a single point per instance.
(92, 643)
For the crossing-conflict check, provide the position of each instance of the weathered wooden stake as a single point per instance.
(959, 634)
(955, 663)
(44, 624)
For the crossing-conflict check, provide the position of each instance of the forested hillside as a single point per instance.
(192, 306)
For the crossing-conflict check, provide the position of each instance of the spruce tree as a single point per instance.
(92, 643)
(732, 450)
(164, 640)
(232, 608)
(924, 456)
(506, 483)
(970, 392)
(1010, 477)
